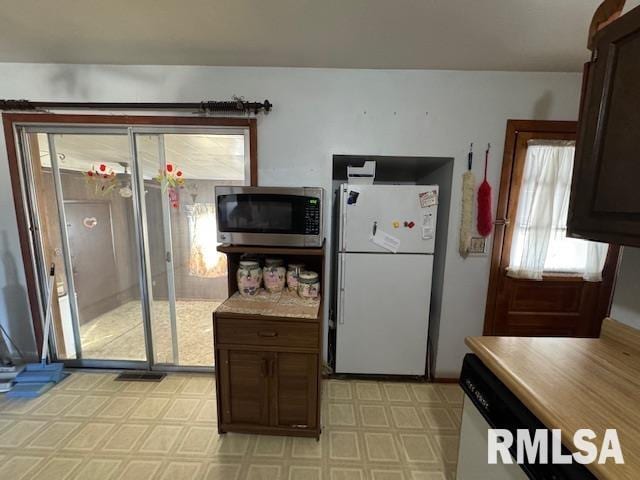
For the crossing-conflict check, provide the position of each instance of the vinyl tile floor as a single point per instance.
(92, 427)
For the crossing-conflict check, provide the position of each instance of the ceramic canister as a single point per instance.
(308, 285)
(274, 274)
(293, 271)
(249, 278)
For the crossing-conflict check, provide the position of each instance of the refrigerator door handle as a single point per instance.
(341, 290)
(374, 229)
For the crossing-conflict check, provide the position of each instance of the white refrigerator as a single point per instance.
(386, 242)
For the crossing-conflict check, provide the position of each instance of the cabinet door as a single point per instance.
(244, 386)
(294, 385)
(605, 204)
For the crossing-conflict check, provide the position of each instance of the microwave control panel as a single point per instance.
(312, 216)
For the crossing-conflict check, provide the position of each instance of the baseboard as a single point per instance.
(445, 380)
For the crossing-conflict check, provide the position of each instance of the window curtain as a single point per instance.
(204, 259)
(539, 241)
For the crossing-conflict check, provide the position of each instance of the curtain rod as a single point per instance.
(237, 105)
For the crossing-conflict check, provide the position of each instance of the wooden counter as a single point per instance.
(573, 383)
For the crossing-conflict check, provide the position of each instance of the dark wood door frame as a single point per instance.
(10, 122)
(515, 129)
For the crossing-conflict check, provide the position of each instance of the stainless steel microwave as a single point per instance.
(281, 216)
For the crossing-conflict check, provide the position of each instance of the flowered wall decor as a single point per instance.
(102, 177)
(171, 180)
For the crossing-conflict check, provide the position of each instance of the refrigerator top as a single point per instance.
(388, 218)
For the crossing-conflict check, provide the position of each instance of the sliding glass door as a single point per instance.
(180, 171)
(127, 215)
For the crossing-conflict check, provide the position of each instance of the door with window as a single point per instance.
(543, 283)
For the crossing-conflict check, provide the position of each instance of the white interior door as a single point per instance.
(393, 209)
(383, 313)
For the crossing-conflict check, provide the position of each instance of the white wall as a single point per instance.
(321, 112)
(626, 296)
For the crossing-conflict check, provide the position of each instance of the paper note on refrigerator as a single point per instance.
(428, 199)
(386, 241)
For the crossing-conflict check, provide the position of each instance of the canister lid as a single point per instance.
(273, 262)
(308, 277)
(249, 264)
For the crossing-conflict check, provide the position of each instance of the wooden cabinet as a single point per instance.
(295, 390)
(605, 203)
(267, 384)
(268, 364)
(244, 385)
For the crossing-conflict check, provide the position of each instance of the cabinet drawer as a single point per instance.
(266, 333)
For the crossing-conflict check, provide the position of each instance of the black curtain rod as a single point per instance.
(237, 105)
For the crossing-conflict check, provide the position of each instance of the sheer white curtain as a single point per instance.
(539, 242)
(204, 258)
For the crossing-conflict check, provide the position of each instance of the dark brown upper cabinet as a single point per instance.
(605, 194)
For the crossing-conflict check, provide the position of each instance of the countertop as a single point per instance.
(284, 304)
(573, 383)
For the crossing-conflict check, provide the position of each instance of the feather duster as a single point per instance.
(466, 220)
(485, 222)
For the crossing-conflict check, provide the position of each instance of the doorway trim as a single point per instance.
(514, 128)
(26, 228)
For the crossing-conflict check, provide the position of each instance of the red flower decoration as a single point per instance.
(105, 176)
(103, 167)
(179, 173)
(175, 205)
(169, 168)
(90, 173)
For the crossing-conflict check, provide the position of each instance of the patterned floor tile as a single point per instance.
(55, 405)
(118, 407)
(197, 441)
(99, 469)
(53, 436)
(306, 448)
(405, 417)
(182, 471)
(140, 470)
(269, 446)
(182, 409)
(346, 474)
(19, 432)
(344, 446)
(397, 392)
(92, 427)
(339, 390)
(264, 472)
(58, 468)
(380, 474)
(368, 391)
(217, 471)
(380, 447)
(373, 416)
(161, 439)
(124, 438)
(304, 473)
(89, 436)
(342, 414)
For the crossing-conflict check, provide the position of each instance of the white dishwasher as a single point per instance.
(489, 404)
(472, 454)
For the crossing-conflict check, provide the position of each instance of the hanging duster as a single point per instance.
(485, 222)
(466, 221)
